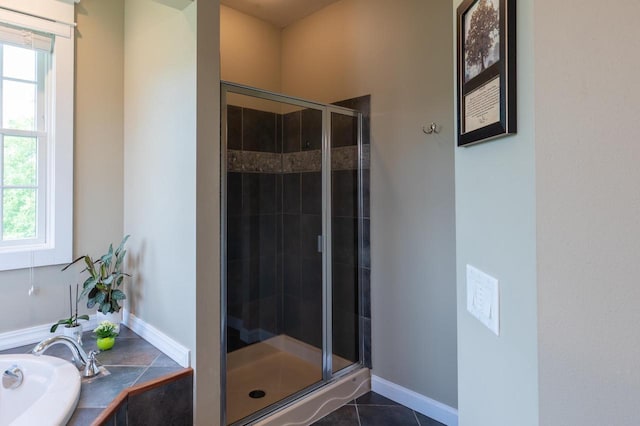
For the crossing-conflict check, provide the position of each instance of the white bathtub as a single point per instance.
(48, 394)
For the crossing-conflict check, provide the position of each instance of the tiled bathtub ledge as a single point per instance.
(166, 400)
(132, 362)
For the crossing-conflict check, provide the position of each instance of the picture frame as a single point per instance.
(486, 72)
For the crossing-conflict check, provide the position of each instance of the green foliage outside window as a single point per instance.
(19, 197)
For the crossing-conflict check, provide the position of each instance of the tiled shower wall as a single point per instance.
(253, 214)
(344, 208)
(302, 224)
(274, 219)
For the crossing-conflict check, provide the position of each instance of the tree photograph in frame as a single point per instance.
(486, 75)
(481, 37)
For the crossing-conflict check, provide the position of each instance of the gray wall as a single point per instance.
(558, 225)
(400, 53)
(496, 232)
(98, 167)
(172, 169)
(249, 50)
(160, 165)
(588, 211)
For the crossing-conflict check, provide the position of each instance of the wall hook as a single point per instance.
(433, 128)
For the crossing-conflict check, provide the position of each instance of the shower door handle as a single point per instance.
(319, 243)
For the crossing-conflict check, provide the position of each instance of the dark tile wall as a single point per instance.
(302, 225)
(252, 255)
(253, 223)
(168, 403)
(351, 269)
(344, 130)
(274, 220)
(361, 104)
(311, 258)
(258, 130)
(301, 261)
(234, 127)
(311, 129)
(291, 132)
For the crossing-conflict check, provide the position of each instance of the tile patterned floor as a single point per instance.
(132, 361)
(373, 409)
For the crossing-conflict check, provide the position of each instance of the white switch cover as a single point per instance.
(483, 300)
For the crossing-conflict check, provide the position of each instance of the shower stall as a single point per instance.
(295, 226)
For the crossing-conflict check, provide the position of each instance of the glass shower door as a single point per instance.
(292, 226)
(345, 142)
(274, 263)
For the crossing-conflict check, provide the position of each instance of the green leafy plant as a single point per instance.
(105, 330)
(73, 319)
(105, 279)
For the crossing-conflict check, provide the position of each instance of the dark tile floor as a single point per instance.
(373, 409)
(132, 361)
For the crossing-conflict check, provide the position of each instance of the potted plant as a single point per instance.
(106, 333)
(72, 327)
(102, 287)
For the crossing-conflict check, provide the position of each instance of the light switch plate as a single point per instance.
(483, 301)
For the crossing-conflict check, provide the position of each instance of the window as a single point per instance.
(23, 142)
(36, 137)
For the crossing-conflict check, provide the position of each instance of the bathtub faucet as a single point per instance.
(80, 357)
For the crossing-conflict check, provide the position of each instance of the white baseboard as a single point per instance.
(171, 348)
(33, 335)
(420, 403)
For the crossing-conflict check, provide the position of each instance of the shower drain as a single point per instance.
(256, 394)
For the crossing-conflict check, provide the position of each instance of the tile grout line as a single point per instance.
(357, 413)
(140, 375)
(145, 370)
(125, 365)
(384, 405)
(416, 417)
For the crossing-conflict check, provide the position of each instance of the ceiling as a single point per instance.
(278, 12)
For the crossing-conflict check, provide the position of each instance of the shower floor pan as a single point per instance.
(267, 372)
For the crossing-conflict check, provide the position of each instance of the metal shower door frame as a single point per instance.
(328, 375)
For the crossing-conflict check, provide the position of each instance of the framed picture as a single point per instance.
(486, 70)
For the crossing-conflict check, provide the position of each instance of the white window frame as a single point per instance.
(52, 17)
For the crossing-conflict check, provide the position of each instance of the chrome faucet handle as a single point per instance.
(91, 368)
(12, 377)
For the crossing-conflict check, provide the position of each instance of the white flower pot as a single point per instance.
(114, 317)
(74, 332)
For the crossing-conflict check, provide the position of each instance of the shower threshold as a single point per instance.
(317, 404)
(267, 372)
